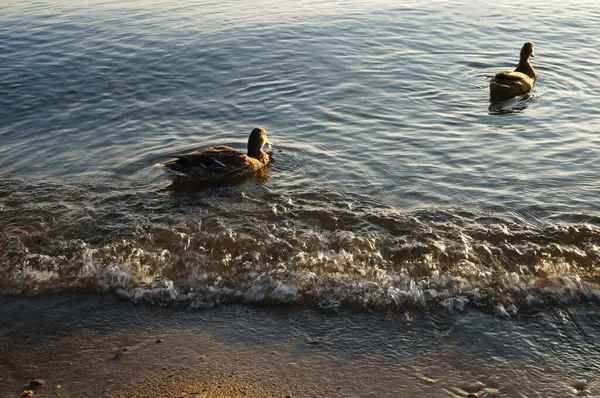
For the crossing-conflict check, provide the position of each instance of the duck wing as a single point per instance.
(213, 161)
(221, 157)
(510, 76)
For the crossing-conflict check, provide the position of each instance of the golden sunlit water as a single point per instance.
(396, 185)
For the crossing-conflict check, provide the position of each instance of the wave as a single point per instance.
(322, 249)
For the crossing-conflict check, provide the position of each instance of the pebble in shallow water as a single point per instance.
(36, 382)
(120, 352)
(29, 388)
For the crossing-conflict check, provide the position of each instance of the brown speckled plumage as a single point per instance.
(220, 163)
(506, 85)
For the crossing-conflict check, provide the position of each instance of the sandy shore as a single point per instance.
(101, 347)
(187, 363)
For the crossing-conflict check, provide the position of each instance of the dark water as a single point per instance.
(396, 185)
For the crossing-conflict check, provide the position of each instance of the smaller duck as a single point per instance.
(506, 85)
(220, 163)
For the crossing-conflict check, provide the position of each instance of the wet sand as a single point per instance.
(75, 344)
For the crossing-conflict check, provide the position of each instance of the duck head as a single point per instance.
(527, 51)
(256, 141)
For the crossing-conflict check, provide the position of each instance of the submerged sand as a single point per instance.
(100, 347)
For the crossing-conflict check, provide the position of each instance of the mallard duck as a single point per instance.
(220, 163)
(510, 84)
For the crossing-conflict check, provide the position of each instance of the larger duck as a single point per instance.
(511, 84)
(220, 163)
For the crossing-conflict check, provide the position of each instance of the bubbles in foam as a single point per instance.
(312, 251)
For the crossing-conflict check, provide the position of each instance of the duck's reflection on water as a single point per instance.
(258, 177)
(502, 106)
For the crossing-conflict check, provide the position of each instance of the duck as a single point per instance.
(220, 163)
(505, 85)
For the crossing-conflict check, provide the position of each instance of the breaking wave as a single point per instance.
(323, 249)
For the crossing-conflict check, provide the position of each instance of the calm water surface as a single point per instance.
(396, 185)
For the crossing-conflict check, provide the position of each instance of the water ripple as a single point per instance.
(377, 111)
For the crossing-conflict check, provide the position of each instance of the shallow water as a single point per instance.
(396, 185)
(551, 352)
